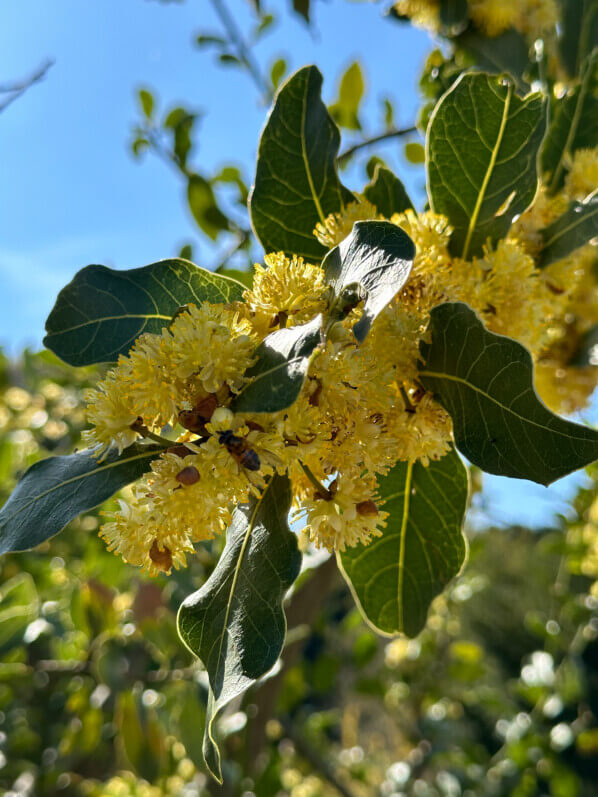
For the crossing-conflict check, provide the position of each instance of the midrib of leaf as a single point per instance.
(471, 386)
(476, 211)
(101, 319)
(304, 155)
(581, 219)
(572, 130)
(402, 539)
(78, 478)
(234, 581)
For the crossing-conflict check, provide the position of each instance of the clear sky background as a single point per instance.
(70, 191)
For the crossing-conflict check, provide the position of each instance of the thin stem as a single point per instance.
(15, 90)
(145, 432)
(320, 489)
(243, 51)
(396, 133)
(242, 238)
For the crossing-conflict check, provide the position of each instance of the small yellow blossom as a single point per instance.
(337, 226)
(110, 414)
(495, 16)
(582, 178)
(422, 13)
(347, 517)
(287, 292)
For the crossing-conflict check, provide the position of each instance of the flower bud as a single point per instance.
(366, 508)
(188, 476)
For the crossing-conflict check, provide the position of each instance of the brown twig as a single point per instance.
(368, 142)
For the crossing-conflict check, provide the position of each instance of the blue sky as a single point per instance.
(71, 194)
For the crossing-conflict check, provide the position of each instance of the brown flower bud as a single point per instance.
(366, 508)
(161, 557)
(180, 450)
(188, 476)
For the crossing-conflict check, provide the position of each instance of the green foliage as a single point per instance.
(101, 312)
(485, 382)
(395, 577)
(508, 52)
(482, 147)
(345, 111)
(54, 491)
(371, 264)
(387, 192)
(283, 359)
(577, 226)
(296, 185)
(235, 622)
(202, 204)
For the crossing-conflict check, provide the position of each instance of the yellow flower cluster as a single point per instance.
(361, 409)
(531, 17)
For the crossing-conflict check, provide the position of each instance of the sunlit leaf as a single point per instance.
(482, 146)
(396, 576)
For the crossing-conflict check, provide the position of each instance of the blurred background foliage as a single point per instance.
(498, 696)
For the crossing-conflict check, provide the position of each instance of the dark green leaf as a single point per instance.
(507, 52)
(301, 7)
(574, 125)
(54, 491)
(395, 577)
(19, 606)
(282, 362)
(101, 312)
(453, 16)
(204, 208)
(376, 258)
(141, 735)
(235, 622)
(482, 147)
(387, 193)
(579, 32)
(205, 40)
(296, 185)
(587, 351)
(345, 111)
(577, 226)
(485, 382)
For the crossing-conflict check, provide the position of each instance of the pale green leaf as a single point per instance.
(396, 576)
(277, 377)
(485, 382)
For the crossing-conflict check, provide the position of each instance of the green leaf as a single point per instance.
(579, 32)
(141, 735)
(345, 111)
(485, 382)
(576, 227)
(574, 125)
(101, 312)
(19, 606)
(482, 146)
(376, 259)
(414, 152)
(387, 192)
(453, 16)
(204, 208)
(507, 52)
(277, 377)
(146, 100)
(235, 622)
(296, 185)
(301, 7)
(278, 71)
(395, 578)
(57, 489)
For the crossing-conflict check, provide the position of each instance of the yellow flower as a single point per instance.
(565, 389)
(110, 414)
(337, 226)
(141, 540)
(421, 430)
(422, 13)
(213, 342)
(537, 17)
(495, 16)
(287, 292)
(582, 178)
(348, 518)
(149, 382)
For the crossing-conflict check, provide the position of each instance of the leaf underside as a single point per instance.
(235, 623)
(57, 489)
